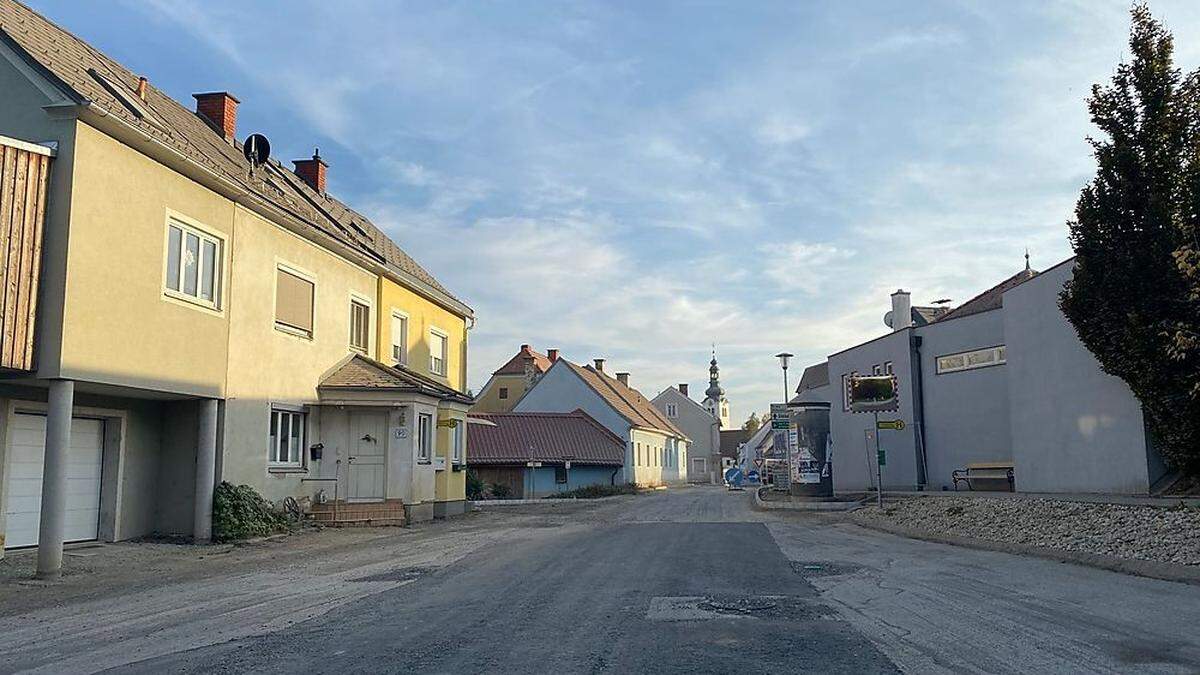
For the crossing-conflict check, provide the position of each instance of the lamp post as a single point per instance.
(784, 357)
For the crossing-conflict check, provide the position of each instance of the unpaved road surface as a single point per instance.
(689, 580)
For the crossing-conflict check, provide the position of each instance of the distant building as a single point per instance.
(509, 382)
(1001, 378)
(656, 451)
(704, 461)
(572, 451)
(714, 397)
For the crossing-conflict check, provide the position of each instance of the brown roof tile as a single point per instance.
(542, 437)
(992, 298)
(361, 373)
(626, 400)
(516, 365)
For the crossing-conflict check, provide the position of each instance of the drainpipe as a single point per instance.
(919, 409)
(612, 480)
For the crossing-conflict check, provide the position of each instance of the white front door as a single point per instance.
(23, 500)
(367, 460)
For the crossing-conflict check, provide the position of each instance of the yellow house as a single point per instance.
(510, 381)
(199, 317)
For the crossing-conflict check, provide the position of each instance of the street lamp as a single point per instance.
(784, 357)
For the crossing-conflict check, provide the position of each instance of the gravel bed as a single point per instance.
(1136, 532)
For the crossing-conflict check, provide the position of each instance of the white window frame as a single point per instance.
(425, 438)
(672, 410)
(888, 368)
(188, 226)
(291, 269)
(356, 298)
(877, 369)
(458, 441)
(403, 357)
(997, 358)
(445, 357)
(296, 455)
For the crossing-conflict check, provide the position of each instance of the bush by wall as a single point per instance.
(239, 512)
(596, 492)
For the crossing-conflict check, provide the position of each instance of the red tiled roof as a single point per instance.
(542, 437)
(516, 365)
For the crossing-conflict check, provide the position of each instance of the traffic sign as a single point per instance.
(752, 476)
(894, 425)
(758, 462)
(779, 416)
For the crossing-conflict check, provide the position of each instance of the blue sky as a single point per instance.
(638, 180)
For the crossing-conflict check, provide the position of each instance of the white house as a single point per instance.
(704, 463)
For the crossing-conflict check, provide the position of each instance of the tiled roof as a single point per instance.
(731, 438)
(926, 315)
(516, 365)
(813, 377)
(365, 374)
(76, 67)
(627, 401)
(992, 298)
(543, 437)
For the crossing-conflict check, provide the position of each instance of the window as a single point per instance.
(979, 358)
(360, 326)
(400, 338)
(437, 351)
(672, 410)
(845, 392)
(887, 368)
(293, 302)
(458, 438)
(193, 265)
(639, 455)
(503, 393)
(286, 447)
(424, 438)
(560, 474)
(877, 369)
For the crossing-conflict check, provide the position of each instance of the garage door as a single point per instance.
(23, 502)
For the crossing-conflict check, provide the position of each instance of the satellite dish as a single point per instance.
(887, 319)
(257, 149)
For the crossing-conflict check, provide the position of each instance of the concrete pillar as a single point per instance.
(54, 479)
(206, 471)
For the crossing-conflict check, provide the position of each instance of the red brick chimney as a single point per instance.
(683, 388)
(552, 354)
(220, 109)
(312, 171)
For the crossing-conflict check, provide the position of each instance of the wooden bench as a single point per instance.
(988, 473)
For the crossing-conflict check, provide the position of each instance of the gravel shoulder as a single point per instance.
(1129, 532)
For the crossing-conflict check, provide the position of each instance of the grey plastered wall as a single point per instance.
(966, 412)
(853, 461)
(177, 468)
(697, 424)
(1074, 427)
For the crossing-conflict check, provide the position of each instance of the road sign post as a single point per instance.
(878, 464)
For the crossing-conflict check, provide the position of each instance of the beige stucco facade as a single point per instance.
(501, 393)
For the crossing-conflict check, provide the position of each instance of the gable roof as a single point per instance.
(543, 437)
(992, 298)
(360, 373)
(94, 81)
(679, 395)
(814, 376)
(627, 401)
(731, 439)
(926, 315)
(516, 365)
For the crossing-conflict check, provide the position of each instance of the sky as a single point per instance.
(639, 181)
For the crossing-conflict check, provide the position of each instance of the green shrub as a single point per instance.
(239, 513)
(500, 491)
(596, 492)
(474, 486)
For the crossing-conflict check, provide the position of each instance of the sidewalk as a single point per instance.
(1085, 498)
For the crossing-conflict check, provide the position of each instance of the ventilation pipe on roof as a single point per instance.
(623, 378)
(219, 108)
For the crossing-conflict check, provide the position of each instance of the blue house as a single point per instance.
(535, 454)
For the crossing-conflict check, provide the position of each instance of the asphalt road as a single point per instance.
(689, 580)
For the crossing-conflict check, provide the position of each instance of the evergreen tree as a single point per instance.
(752, 423)
(1133, 299)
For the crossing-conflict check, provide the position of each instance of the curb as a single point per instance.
(803, 506)
(486, 503)
(1152, 569)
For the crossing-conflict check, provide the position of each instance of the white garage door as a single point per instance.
(23, 502)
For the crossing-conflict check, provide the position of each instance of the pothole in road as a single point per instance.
(701, 608)
(401, 574)
(823, 569)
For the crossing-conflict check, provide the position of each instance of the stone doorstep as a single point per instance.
(365, 522)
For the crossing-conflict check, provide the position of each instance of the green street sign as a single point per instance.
(882, 457)
(893, 425)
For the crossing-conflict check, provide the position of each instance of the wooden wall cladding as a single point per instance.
(23, 178)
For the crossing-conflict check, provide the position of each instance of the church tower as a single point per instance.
(715, 402)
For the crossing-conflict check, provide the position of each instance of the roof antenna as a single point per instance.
(1026, 258)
